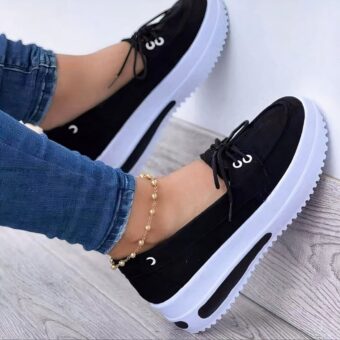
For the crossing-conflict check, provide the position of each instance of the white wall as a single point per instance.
(276, 48)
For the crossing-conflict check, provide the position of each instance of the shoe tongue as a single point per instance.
(258, 140)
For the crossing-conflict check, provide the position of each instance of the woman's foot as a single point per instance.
(175, 206)
(205, 242)
(177, 51)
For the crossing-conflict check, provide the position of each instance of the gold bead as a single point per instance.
(152, 211)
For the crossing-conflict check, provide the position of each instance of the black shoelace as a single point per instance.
(223, 150)
(142, 36)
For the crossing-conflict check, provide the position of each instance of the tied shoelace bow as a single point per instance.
(223, 150)
(142, 36)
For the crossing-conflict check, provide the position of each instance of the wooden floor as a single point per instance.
(49, 289)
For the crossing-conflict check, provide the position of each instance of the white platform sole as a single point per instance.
(274, 215)
(187, 75)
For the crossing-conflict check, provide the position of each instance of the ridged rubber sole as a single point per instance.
(272, 218)
(190, 72)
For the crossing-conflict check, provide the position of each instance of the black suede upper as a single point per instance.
(271, 139)
(97, 127)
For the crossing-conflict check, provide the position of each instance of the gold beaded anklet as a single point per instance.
(154, 182)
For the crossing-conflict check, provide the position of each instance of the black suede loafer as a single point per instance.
(179, 47)
(271, 167)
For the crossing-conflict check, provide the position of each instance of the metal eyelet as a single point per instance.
(237, 164)
(152, 259)
(159, 41)
(150, 45)
(248, 159)
(73, 128)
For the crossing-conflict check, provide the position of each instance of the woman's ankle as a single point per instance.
(84, 82)
(139, 219)
(181, 196)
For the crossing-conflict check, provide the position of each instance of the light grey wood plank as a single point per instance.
(299, 279)
(41, 297)
(246, 320)
(94, 268)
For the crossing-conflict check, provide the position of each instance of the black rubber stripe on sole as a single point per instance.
(181, 324)
(231, 281)
(144, 142)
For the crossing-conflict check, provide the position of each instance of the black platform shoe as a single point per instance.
(270, 167)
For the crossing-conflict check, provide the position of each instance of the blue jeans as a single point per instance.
(44, 187)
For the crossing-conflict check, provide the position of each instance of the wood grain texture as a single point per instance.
(48, 299)
(246, 320)
(299, 279)
(49, 289)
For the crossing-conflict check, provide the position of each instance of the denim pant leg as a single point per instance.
(46, 188)
(28, 76)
